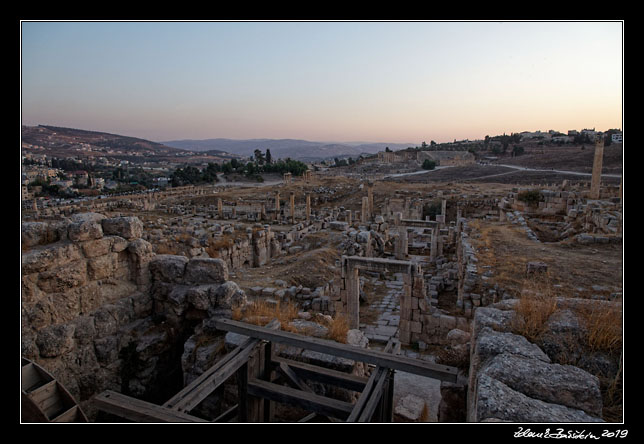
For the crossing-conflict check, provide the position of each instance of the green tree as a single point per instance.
(259, 157)
(269, 157)
(429, 164)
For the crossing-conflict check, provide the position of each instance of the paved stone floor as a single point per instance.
(385, 327)
(387, 321)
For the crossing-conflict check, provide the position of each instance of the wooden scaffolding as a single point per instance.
(255, 364)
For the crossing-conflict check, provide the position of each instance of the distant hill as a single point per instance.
(59, 137)
(296, 149)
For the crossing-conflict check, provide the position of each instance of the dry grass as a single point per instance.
(537, 303)
(604, 327)
(424, 414)
(338, 328)
(214, 246)
(261, 312)
(166, 248)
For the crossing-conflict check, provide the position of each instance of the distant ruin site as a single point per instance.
(469, 293)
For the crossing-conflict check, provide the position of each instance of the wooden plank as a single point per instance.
(227, 415)
(199, 389)
(33, 377)
(242, 393)
(30, 377)
(187, 390)
(139, 411)
(308, 401)
(267, 371)
(325, 375)
(389, 404)
(409, 365)
(308, 417)
(374, 397)
(366, 393)
(292, 377)
(67, 416)
(46, 397)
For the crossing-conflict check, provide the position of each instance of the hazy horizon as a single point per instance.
(392, 82)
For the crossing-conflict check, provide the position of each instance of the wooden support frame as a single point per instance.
(409, 365)
(139, 411)
(253, 364)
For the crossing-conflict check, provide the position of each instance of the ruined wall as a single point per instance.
(83, 279)
(100, 310)
(513, 380)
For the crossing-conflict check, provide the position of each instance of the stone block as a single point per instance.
(168, 268)
(206, 271)
(497, 400)
(554, 383)
(55, 340)
(85, 226)
(126, 227)
(66, 277)
(102, 267)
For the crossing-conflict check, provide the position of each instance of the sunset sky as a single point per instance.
(324, 81)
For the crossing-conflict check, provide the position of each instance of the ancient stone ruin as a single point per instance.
(171, 307)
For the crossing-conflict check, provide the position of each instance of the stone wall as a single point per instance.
(100, 310)
(513, 380)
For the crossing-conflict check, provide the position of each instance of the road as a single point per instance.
(515, 167)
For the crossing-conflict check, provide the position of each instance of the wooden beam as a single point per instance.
(199, 389)
(308, 417)
(308, 401)
(188, 398)
(139, 411)
(242, 393)
(297, 382)
(367, 393)
(227, 415)
(325, 375)
(374, 397)
(409, 365)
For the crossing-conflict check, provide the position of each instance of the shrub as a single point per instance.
(429, 164)
(531, 197)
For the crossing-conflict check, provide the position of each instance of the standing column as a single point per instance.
(365, 209)
(434, 246)
(402, 244)
(370, 196)
(277, 205)
(308, 207)
(293, 207)
(220, 208)
(353, 297)
(597, 167)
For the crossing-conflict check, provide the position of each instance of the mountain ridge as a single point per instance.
(298, 149)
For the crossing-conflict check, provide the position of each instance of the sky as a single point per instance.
(396, 82)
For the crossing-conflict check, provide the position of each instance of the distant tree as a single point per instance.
(517, 150)
(429, 164)
(259, 157)
(227, 167)
(387, 150)
(269, 158)
(432, 143)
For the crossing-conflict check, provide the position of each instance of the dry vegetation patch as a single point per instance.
(261, 312)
